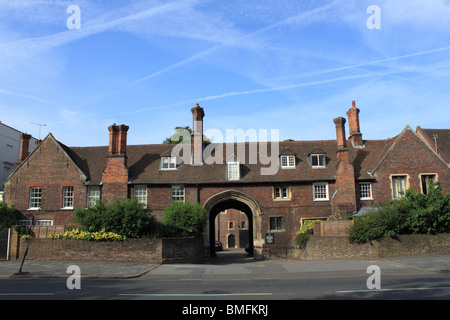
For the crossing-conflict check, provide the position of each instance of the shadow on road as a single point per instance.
(228, 256)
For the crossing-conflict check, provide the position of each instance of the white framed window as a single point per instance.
(399, 186)
(287, 161)
(168, 163)
(44, 222)
(318, 161)
(140, 193)
(35, 198)
(68, 196)
(281, 193)
(94, 195)
(365, 190)
(320, 191)
(178, 194)
(233, 170)
(276, 223)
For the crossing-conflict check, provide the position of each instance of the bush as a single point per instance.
(383, 220)
(415, 213)
(425, 214)
(305, 232)
(184, 219)
(7, 215)
(128, 218)
(77, 234)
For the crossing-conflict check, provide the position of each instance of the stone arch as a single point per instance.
(233, 199)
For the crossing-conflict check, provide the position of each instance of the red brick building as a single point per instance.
(314, 179)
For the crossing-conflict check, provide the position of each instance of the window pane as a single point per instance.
(321, 191)
(93, 195)
(177, 193)
(365, 190)
(233, 170)
(140, 193)
(35, 197)
(68, 197)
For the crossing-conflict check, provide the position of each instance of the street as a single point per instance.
(234, 276)
(408, 286)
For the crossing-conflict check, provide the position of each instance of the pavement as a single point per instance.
(228, 263)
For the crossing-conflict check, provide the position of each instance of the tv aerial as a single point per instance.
(40, 126)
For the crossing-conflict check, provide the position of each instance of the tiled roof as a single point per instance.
(144, 163)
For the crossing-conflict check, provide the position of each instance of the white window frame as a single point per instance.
(365, 191)
(320, 191)
(169, 163)
(319, 157)
(140, 193)
(178, 194)
(233, 170)
(94, 194)
(68, 193)
(44, 222)
(35, 200)
(287, 162)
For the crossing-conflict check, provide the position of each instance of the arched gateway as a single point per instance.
(233, 199)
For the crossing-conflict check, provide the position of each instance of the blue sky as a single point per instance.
(254, 64)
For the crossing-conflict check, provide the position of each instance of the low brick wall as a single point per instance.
(149, 250)
(341, 248)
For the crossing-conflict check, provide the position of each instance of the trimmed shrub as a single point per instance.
(184, 219)
(128, 218)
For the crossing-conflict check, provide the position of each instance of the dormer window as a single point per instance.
(233, 169)
(287, 161)
(168, 163)
(318, 160)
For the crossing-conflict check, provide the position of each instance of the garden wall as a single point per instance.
(149, 250)
(339, 247)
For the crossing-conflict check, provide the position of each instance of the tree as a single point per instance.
(179, 135)
(128, 218)
(188, 219)
(7, 215)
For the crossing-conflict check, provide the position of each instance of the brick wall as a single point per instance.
(341, 248)
(410, 157)
(51, 169)
(149, 250)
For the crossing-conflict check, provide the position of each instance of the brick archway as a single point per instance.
(233, 199)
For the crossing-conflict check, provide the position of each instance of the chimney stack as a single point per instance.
(197, 151)
(340, 132)
(24, 146)
(118, 139)
(353, 123)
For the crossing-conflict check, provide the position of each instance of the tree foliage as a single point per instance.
(415, 213)
(128, 218)
(7, 215)
(185, 219)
